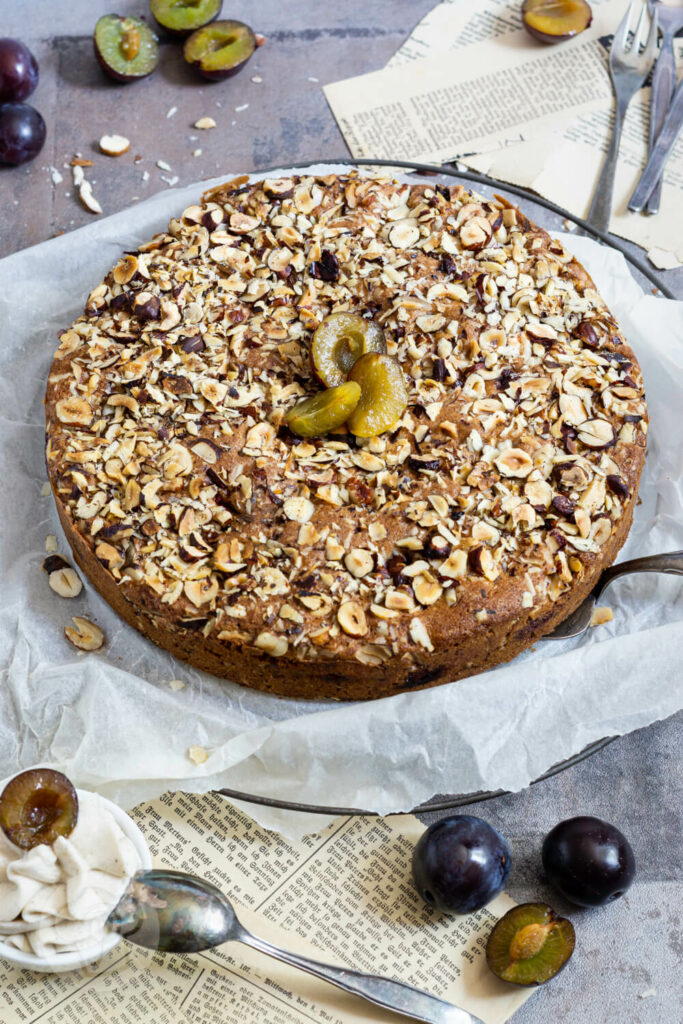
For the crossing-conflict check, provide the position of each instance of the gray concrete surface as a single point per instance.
(628, 960)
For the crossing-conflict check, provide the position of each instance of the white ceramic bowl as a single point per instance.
(61, 962)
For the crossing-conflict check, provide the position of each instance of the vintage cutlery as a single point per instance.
(629, 65)
(579, 621)
(178, 913)
(670, 20)
(660, 154)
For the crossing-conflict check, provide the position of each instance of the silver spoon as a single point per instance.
(580, 619)
(178, 913)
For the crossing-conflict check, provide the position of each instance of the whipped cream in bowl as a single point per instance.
(55, 900)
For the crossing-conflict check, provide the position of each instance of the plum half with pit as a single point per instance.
(220, 49)
(460, 864)
(180, 17)
(554, 21)
(588, 860)
(339, 342)
(18, 71)
(22, 133)
(126, 48)
(529, 945)
(37, 806)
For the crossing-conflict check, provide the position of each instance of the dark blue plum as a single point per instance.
(22, 133)
(460, 864)
(589, 861)
(18, 71)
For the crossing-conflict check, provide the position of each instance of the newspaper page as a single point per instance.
(344, 896)
(485, 96)
(558, 157)
(456, 23)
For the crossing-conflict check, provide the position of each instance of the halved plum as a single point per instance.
(554, 21)
(37, 806)
(530, 944)
(326, 411)
(384, 395)
(220, 49)
(126, 48)
(339, 342)
(178, 18)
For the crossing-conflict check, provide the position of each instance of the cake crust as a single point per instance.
(337, 567)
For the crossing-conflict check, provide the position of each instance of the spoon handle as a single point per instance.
(392, 995)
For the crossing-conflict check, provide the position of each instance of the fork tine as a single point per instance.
(639, 34)
(653, 37)
(621, 34)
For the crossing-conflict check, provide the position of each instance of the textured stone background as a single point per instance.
(625, 951)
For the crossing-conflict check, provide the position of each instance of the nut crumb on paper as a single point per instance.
(601, 616)
(176, 684)
(84, 634)
(51, 545)
(204, 123)
(198, 755)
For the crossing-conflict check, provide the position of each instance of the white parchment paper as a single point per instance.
(111, 721)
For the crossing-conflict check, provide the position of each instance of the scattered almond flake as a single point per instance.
(114, 145)
(57, 178)
(177, 684)
(170, 181)
(256, 79)
(163, 166)
(601, 615)
(171, 112)
(196, 152)
(243, 107)
(204, 123)
(78, 174)
(51, 544)
(87, 198)
(145, 175)
(198, 755)
(260, 39)
(45, 489)
(79, 161)
(648, 993)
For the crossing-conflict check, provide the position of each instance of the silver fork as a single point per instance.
(630, 60)
(670, 17)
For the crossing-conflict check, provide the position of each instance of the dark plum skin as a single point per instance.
(22, 133)
(589, 861)
(460, 864)
(18, 71)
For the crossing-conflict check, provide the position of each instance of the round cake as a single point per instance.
(339, 566)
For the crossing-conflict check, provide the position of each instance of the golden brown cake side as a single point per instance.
(337, 567)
